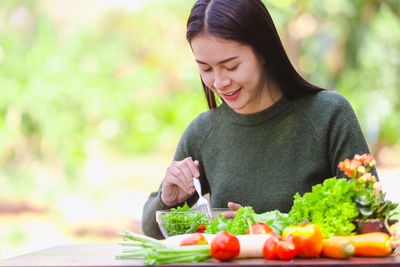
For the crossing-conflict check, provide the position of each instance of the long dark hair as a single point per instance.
(248, 22)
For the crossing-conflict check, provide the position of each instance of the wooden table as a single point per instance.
(103, 255)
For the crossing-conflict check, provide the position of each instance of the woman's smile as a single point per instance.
(232, 95)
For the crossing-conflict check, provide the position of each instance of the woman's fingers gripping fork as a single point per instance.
(182, 174)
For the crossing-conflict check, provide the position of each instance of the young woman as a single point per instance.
(273, 135)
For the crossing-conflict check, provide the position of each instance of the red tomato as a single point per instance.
(286, 250)
(201, 228)
(269, 249)
(259, 228)
(194, 239)
(289, 238)
(224, 246)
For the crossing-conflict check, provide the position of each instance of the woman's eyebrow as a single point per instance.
(219, 63)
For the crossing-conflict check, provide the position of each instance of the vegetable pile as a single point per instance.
(303, 241)
(321, 223)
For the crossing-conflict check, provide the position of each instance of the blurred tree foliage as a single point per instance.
(118, 81)
(126, 79)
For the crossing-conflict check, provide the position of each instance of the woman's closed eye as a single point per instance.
(233, 68)
(229, 69)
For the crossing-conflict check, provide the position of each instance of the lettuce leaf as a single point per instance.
(275, 219)
(330, 205)
(245, 216)
(240, 224)
(218, 224)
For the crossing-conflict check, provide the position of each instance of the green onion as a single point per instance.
(141, 238)
(154, 252)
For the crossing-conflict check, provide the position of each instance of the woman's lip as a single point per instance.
(234, 96)
(232, 91)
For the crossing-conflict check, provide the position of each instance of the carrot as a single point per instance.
(372, 244)
(338, 247)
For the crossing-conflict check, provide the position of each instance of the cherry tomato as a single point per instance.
(269, 249)
(224, 246)
(286, 250)
(201, 228)
(194, 239)
(259, 228)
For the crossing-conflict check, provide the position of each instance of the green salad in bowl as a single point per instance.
(184, 220)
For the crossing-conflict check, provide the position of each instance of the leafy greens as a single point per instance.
(183, 220)
(188, 222)
(330, 205)
(245, 216)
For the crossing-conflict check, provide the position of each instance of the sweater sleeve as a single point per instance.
(149, 223)
(345, 136)
(189, 146)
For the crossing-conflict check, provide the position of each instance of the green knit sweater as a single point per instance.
(263, 159)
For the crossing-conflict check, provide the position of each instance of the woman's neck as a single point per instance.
(269, 95)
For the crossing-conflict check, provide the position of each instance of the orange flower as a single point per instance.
(367, 160)
(342, 165)
(357, 157)
(358, 166)
(353, 167)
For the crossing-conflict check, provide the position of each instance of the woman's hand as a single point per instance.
(178, 181)
(231, 214)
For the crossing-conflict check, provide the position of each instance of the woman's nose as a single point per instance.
(221, 81)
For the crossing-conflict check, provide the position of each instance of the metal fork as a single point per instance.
(202, 203)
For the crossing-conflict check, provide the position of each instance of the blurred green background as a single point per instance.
(94, 96)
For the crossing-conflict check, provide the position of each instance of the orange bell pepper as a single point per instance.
(307, 238)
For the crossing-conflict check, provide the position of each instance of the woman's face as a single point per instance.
(233, 71)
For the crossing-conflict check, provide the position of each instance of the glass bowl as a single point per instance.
(183, 222)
